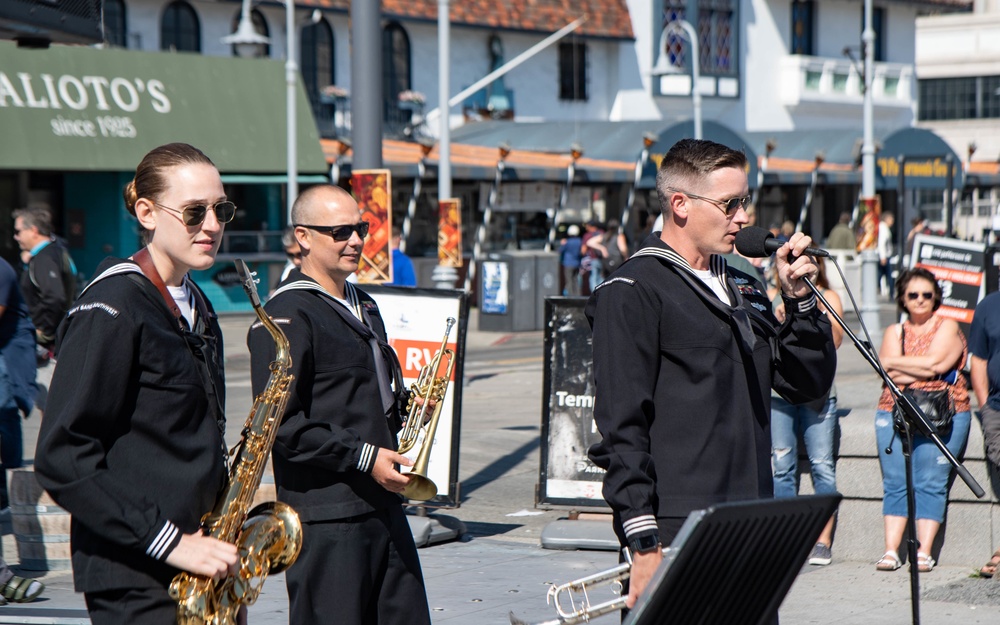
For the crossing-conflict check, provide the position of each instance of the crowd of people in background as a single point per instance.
(586, 259)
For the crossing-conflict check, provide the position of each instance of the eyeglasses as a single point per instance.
(729, 207)
(913, 296)
(194, 215)
(340, 233)
(293, 255)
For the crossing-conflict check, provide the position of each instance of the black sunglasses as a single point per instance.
(729, 207)
(913, 296)
(194, 215)
(340, 233)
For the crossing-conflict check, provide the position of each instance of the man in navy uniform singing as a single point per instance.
(686, 351)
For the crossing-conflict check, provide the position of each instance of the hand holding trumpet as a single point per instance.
(643, 567)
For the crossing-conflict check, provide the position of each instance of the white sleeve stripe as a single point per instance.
(366, 458)
(642, 523)
(166, 536)
(807, 304)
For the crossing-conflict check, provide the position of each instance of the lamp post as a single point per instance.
(246, 39)
(663, 66)
(869, 257)
(291, 147)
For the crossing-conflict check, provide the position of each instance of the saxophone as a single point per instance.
(269, 537)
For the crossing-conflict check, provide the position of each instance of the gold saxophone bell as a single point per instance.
(431, 389)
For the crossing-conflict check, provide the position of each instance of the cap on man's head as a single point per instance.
(573, 231)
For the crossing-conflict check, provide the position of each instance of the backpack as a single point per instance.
(68, 273)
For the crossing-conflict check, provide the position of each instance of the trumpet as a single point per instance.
(431, 389)
(572, 599)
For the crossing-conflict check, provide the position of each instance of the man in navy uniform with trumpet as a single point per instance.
(335, 459)
(686, 351)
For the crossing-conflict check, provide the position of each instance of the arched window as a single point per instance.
(114, 23)
(179, 28)
(317, 59)
(395, 61)
(259, 27)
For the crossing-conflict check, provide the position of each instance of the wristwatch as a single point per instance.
(643, 544)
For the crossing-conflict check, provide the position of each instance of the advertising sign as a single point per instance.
(415, 320)
(373, 192)
(958, 266)
(567, 476)
(450, 233)
(496, 287)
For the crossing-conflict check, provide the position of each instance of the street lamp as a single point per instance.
(247, 41)
(246, 37)
(663, 66)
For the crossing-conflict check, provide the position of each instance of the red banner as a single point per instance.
(372, 189)
(450, 233)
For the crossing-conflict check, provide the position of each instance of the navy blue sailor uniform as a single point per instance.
(132, 443)
(683, 386)
(358, 557)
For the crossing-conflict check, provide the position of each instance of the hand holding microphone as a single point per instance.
(793, 258)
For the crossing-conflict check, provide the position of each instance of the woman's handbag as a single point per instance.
(936, 405)
(936, 402)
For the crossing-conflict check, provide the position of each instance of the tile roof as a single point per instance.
(605, 18)
(401, 153)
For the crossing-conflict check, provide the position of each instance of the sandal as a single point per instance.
(990, 568)
(925, 563)
(21, 589)
(888, 562)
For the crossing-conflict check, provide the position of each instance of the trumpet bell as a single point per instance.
(420, 488)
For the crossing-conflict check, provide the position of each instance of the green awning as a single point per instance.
(73, 108)
(274, 179)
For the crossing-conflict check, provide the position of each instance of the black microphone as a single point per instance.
(755, 242)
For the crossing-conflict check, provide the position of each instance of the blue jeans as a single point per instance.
(596, 274)
(11, 445)
(817, 429)
(931, 469)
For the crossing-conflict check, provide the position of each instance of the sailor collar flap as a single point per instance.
(740, 314)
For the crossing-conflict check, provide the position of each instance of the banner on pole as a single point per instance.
(868, 223)
(450, 233)
(372, 190)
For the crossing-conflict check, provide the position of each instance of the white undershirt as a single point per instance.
(184, 298)
(713, 282)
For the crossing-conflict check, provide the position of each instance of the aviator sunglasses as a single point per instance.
(340, 233)
(195, 214)
(729, 207)
(913, 296)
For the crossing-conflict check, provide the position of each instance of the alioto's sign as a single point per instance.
(74, 108)
(114, 99)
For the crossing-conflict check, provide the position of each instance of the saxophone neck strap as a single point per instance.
(145, 262)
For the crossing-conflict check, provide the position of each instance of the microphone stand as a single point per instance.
(907, 417)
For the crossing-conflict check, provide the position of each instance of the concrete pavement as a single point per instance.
(498, 567)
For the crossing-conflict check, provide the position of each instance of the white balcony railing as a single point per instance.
(818, 80)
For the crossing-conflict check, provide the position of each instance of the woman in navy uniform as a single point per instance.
(132, 442)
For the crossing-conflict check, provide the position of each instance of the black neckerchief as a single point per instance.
(388, 371)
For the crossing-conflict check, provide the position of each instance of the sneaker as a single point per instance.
(821, 555)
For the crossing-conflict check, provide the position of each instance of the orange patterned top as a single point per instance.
(917, 345)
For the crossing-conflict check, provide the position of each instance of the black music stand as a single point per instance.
(769, 539)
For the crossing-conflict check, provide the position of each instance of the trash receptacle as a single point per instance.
(512, 289)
